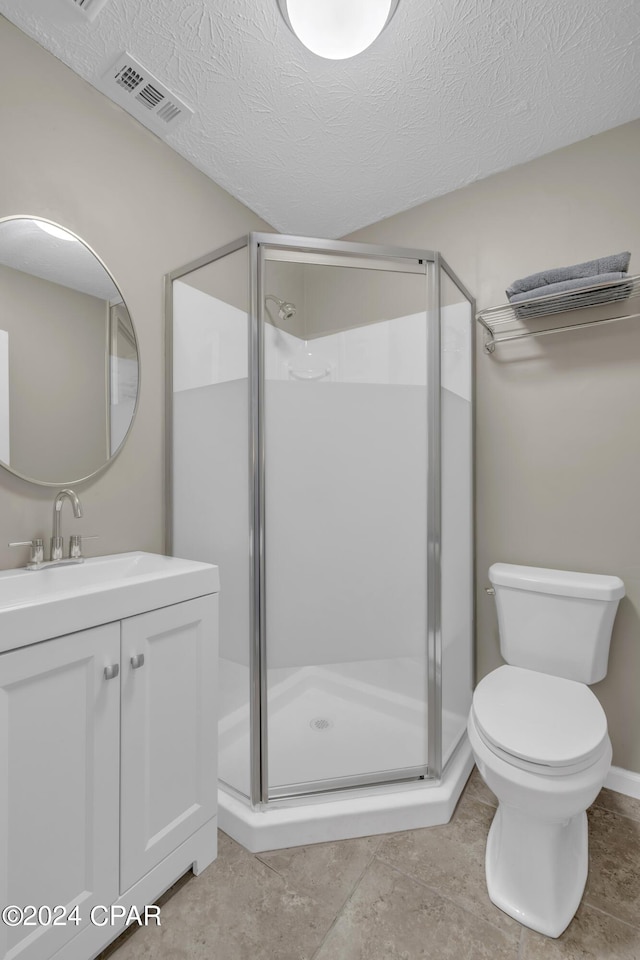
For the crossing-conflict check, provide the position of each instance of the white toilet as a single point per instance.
(539, 737)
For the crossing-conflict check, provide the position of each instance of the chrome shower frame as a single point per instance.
(262, 246)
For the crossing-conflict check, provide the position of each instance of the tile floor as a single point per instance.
(418, 895)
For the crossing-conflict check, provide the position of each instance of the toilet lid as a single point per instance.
(539, 718)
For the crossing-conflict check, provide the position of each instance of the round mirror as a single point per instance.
(69, 365)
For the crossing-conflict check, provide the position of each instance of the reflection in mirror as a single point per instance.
(123, 374)
(68, 356)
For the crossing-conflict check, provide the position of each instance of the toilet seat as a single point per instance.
(539, 722)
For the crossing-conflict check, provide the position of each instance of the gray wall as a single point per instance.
(70, 155)
(558, 457)
(558, 451)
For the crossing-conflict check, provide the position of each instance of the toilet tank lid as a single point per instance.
(564, 583)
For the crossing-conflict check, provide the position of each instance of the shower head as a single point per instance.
(286, 311)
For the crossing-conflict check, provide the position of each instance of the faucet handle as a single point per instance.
(37, 548)
(75, 544)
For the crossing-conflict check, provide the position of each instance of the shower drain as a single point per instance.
(320, 723)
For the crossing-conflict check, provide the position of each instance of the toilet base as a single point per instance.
(536, 870)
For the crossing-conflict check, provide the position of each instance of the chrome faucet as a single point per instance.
(36, 560)
(57, 547)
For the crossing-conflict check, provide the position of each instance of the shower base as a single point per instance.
(331, 722)
(363, 813)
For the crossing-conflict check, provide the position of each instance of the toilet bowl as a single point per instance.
(544, 776)
(539, 737)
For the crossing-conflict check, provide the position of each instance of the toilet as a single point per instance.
(539, 737)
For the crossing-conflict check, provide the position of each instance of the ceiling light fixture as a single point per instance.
(58, 232)
(337, 29)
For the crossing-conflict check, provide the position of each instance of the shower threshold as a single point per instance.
(368, 811)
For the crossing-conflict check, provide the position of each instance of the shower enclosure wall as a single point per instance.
(320, 415)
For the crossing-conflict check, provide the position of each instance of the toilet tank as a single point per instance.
(556, 621)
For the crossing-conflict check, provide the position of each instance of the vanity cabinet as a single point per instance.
(107, 772)
(59, 757)
(169, 733)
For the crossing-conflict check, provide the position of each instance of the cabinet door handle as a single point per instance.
(111, 672)
(137, 661)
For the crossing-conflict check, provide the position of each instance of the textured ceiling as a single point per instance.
(453, 90)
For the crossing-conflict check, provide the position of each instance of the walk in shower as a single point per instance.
(320, 414)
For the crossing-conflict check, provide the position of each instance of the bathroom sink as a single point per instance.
(39, 604)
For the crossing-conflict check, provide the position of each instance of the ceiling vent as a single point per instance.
(142, 95)
(90, 8)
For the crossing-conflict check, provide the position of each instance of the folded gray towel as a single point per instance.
(564, 285)
(570, 295)
(618, 262)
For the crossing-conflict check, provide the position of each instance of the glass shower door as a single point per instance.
(456, 554)
(345, 449)
(210, 474)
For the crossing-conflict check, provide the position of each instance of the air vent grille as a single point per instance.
(150, 96)
(168, 111)
(90, 8)
(129, 79)
(142, 95)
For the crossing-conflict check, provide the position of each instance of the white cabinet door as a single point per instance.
(168, 731)
(59, 783)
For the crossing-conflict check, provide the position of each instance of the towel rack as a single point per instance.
(509, 321)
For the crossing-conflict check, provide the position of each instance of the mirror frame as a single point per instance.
(76, 480)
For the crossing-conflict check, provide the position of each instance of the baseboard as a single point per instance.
(624, 781)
